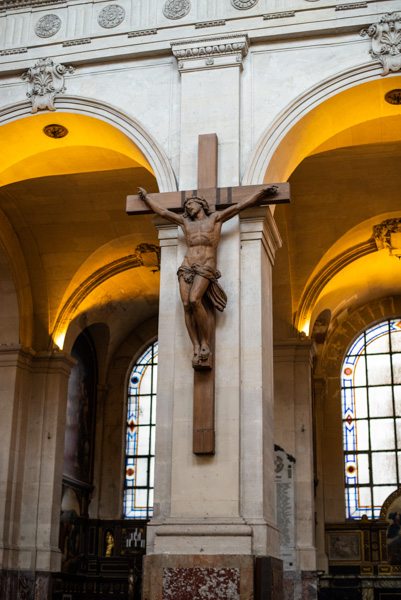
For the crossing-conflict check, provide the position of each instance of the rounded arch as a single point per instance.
(126, 124)
(325, 110)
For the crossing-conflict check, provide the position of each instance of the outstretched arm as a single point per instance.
(158, 208)
(235, 209)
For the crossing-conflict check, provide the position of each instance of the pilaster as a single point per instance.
(34, 401)
(294, 432)
(259, 241)
(208, 64)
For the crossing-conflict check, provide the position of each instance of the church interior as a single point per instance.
(102, 495)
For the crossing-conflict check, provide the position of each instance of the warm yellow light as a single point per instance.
(59, 340)
(355, 105)
(91, 145)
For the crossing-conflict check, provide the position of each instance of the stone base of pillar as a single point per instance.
(300, 585)
(211, 577)
(196, 576)
(26, 585)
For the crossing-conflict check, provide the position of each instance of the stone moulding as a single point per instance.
(77, 42)
(142, 32)
(279, 15)
(386, 41)
(45, 80)
(211, 52)
(352, 6)
(209, 24)
(13, 51)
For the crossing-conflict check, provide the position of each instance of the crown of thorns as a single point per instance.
(204, 204)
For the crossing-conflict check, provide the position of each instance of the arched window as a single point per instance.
(371, 412)
(140, 438)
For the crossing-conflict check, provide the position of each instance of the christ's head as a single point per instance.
(193, 205)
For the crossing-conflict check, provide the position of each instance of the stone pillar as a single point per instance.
(294, 432)
(34, 399)
(259, 241)
(207, 64)
(214, 514)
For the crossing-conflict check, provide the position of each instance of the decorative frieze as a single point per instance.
(142, 32)
(210, 24)
(6, 4)
(386, 41)
(111, 16)
(176, 9)
(45, 81)
(77, 42)
(279, 15)
(47, 26)
(212, 52)
(13, 51)
(352, 6)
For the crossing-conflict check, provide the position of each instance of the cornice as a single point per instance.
(210, 52)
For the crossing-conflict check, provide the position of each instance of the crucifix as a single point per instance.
(200, 213)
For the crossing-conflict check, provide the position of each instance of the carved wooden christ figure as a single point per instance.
(198, 274)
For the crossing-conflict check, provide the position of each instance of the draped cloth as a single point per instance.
(214, 292)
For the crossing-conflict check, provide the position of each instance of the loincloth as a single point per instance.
(214, 292)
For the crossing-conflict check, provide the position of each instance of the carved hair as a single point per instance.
(204, 204)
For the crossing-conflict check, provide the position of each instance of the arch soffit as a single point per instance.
(288, 140)
(112, 115)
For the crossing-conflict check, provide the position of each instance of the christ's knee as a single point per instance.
(195, 303)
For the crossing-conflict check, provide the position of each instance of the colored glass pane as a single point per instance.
(140, 436)
(371, 412)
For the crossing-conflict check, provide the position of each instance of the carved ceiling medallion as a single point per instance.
(244, 4)
(111, 16)
(176, 9)
(393, 97)
(47, 26)
(386, 41)
(55, 131)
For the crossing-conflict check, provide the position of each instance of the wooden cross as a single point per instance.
(218, 199)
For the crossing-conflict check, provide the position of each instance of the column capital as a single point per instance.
(258, 224)
(168, 232)
(213, 52)
(295, 349)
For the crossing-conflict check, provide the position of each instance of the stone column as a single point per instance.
(34, 402)
(294, 433)
(259, 241)
(214, 514)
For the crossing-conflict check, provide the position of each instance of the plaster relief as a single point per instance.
(386, 41)
(111, 16)
(45, 81)
(176, 9)
(47, 26)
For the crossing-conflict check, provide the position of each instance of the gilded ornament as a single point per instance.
(47, 26)
(176, 9)
(111, 16)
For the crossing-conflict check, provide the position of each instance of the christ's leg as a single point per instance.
(199, 287)
(185, 289)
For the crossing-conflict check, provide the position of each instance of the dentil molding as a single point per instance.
(210, 52)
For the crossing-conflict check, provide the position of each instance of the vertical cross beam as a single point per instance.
(203, 425)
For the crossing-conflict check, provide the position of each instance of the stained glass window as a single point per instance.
(371, 413)
(140, 437)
